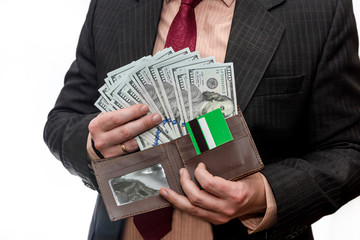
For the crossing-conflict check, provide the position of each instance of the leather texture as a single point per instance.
(242, 160)
(298, 85)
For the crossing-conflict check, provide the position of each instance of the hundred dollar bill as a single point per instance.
(212, 87)
(121, 76)
(149, 73)
(152, 98)
(116, 104)
(143, 144)
(163, 53)
(132, 94)
(125, 95)
(179, 72)
(178, 85)
(143, 93)
(108, 82)
(151, 93)
(123, 100)
(103, 105)
(163, 72)
(144, 140)
(104, 91)
(115, 76)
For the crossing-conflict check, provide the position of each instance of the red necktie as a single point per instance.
(154, 225)
(182, 32)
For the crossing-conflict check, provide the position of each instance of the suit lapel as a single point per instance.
(137, 29)
(254, 37)
(269, 4)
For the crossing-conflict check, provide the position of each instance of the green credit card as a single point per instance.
(208, 131)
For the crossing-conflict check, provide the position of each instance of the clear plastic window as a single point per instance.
(138, 185)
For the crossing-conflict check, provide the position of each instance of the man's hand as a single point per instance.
(220, 200)
(110, 130)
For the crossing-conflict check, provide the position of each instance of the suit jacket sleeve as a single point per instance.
(328, 175)
(66, 129)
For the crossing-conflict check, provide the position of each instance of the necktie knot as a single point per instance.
(191, 3)
(182, 31)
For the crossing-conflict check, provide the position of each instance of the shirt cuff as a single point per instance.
(91, 153)
(258, 222)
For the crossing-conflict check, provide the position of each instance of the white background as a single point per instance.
(39, 199)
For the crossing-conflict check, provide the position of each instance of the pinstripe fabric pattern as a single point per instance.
(213, 22)
(298, 82)
(254, 37)
(137, 40)
(184, 227)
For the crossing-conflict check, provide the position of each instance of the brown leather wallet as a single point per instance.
(123, 180)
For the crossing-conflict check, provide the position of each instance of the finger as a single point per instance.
(180, 202)
(117, 150)
(217, 186)
(183, 203)
(132, 129)
(119, 117)
(125, 132)
(129, 146)
(197, 196)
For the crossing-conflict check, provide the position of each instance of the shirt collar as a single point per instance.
(227, 2)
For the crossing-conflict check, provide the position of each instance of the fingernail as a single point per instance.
(163, 192)
(144, 108)
(181, 171)
(157, 118)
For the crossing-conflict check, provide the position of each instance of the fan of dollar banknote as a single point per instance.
(180, 86)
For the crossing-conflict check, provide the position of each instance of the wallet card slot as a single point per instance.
(231, 161)
(111, 172)
(186, 147)
(123, 164)
(238, 131)
(236, 127)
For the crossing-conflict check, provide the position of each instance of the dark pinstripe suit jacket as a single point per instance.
(298, 83)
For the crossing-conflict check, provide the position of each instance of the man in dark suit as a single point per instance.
(298, 84)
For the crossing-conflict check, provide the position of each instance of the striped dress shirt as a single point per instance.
(213, 20)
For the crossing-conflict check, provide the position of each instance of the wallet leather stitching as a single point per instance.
(106, 200)
(98, 164)
(171, 169)
(107, 161)
(104, 196)
(248, 173)
(181, 154)
(122, 157)
(250, 138)
(140, 212)
(202, 155)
